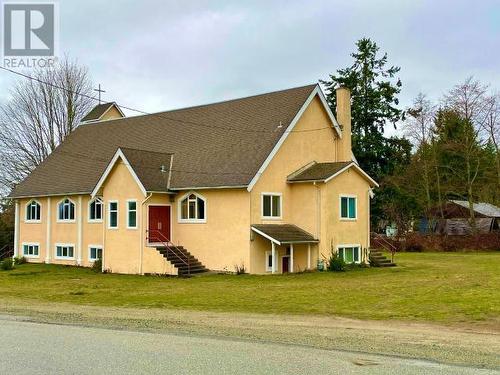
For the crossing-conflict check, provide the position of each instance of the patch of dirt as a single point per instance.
(468, 344)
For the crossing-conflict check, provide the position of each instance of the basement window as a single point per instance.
(66, 210)
(31, 250)
(348, 207)
(95, 253)
(33, 211)
(192, 209)
(271, 205)
(95, 210)
(350, 254)
(65, 251)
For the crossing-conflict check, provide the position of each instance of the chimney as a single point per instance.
(344, 120)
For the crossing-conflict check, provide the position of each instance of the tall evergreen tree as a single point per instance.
(374, 89)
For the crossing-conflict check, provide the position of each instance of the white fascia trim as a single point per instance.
(119, 154)
(317, 91)
(266, 236)
(358, 168)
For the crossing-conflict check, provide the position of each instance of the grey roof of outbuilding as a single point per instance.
(285, 233)
(214, 145)
(318, 171)
(96, 112)
(485, 209)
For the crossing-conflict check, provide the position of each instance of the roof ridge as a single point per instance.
(198, 105)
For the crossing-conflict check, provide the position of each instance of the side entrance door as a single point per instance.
(159, 223)
(285, 264)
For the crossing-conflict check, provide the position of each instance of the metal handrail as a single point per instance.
(3, 251)
(388, 246)
(170, 246)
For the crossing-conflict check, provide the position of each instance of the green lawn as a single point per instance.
(440, 287)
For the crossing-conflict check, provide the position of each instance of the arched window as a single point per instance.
(192, 208)
(95, 210)
(66, 210)
(33, 211)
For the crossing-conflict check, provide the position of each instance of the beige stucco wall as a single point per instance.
(111, 114)
(224, 240)
(335, 230)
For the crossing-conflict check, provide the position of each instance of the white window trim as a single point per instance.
(117, 214)
(94, 247)
(355, 207)
(262, 206)
(30, 244)
(343, 246)
(136, 214)
(191, 221)
(102, 211)
(268, 254)
(64, 245)
(66, 220)
(26, 220)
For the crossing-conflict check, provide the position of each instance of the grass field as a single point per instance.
(436, 287)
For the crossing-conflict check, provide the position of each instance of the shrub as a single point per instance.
(7, 264)
(335, 263)
(240, 270)
(97, 266)
(20, 260)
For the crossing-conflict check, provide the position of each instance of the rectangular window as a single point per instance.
(348, 208)
(113, 214)
(271, 206)
(269, 261)
(95, 252)
(132, 214)
(349, 254)
(31, 250)
(65, 251)
(95, 210)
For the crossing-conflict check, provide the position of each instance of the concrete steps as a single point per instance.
(377, 259)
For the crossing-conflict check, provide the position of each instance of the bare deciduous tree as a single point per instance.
(39, 115)
(419, 127)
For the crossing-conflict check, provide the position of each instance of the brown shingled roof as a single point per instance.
(285, 233)
(221, 144)
(318, 171)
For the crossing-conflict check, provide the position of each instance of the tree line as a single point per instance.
(447, 149)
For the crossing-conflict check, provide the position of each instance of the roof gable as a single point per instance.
(99, 111)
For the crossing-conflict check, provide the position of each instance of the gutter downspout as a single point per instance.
(141, 231)
(16, 229)
(318, 216)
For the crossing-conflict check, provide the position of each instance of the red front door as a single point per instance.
(159, 223)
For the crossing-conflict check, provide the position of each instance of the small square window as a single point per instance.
(271, 206)
(95, 253)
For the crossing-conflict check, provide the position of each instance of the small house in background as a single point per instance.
(456, 219)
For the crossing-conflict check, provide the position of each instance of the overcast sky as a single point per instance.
(159, 55)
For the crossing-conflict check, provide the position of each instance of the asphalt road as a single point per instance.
(34, 348)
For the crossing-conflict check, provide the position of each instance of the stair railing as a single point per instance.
(169, 245)
(7, 251)
(388, 246)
